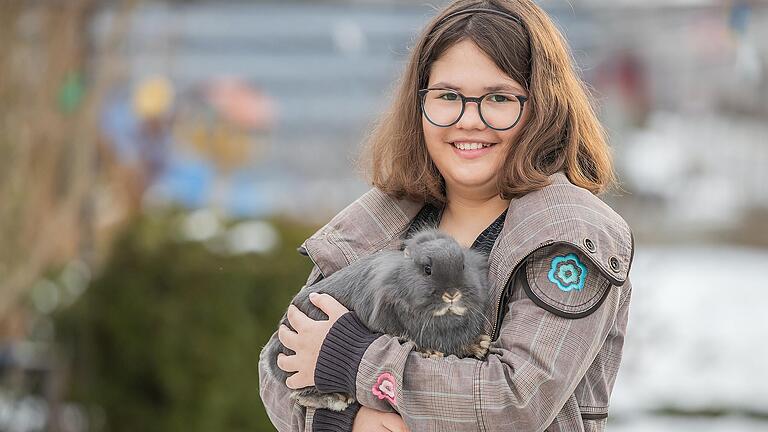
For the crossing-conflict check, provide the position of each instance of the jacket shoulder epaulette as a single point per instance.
(565, 214)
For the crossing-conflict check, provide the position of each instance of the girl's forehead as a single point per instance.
(465, 67)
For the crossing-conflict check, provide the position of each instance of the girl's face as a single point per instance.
(467, 69)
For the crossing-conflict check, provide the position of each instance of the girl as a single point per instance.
(492, 139)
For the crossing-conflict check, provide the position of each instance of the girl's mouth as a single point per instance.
(471, 150)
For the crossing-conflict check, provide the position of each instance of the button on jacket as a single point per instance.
(560, 302)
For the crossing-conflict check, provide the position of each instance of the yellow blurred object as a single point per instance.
(226, 145)
(153, 97)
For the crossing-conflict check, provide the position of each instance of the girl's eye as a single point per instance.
(428, 269)
(498, 98)
(448, 96)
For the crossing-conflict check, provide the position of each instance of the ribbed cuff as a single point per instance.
(340, 355)
(326, 420)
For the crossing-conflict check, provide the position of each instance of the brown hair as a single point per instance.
(562, 131)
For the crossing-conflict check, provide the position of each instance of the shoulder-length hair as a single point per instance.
(562, 132)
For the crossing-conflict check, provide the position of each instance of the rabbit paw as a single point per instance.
(480, 348)
(331, 401)
(431, 354)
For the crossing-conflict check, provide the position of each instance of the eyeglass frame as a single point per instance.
(464, 99)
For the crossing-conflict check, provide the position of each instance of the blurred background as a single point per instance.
(160, 161)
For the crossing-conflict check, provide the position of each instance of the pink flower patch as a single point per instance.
(385, 388)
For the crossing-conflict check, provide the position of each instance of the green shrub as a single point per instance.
(167, 336)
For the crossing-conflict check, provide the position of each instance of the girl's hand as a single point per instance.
(371, 420)
(307, 339)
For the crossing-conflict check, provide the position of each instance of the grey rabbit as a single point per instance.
(433, 293)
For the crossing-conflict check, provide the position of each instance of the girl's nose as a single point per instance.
(471, 117)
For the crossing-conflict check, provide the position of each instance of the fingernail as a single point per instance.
(313, 294)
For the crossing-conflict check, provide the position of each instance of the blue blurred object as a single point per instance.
(175, 170)
(739, 20)
(247, 196)
(142, 143)
(187, 181)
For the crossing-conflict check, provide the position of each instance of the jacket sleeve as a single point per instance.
(287, 415)
(560, 311)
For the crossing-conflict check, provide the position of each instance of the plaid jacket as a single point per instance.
(558, 315)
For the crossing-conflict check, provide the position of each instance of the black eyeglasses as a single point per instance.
(444, 107)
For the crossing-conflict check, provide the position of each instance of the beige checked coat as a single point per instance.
(556, 347)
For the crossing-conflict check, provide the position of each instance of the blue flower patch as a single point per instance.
(567, 272)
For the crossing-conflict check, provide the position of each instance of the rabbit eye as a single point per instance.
(428, 269)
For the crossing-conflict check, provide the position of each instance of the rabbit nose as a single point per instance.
(449, 298)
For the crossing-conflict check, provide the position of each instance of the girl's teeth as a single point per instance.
(470, 146)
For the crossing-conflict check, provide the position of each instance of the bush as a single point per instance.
(167, 337)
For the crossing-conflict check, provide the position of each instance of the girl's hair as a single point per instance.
(562, 131)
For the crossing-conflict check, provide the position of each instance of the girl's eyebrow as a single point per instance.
(505, 87)
(497, 87)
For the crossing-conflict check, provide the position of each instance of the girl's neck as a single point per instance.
(465, 216)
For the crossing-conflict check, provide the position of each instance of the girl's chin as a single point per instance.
(468, 182)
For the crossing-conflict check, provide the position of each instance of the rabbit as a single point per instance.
(432, 292)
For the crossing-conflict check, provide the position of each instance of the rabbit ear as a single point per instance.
(406, 252)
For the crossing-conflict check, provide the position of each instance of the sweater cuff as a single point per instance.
(340, 355)
(326, 420)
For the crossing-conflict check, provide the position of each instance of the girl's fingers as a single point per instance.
(297, 381)
(393, 422)
(298, 319)
(328, 304)
(286, 363)
(287, 337)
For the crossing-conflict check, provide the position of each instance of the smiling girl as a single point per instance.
(492, 139)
